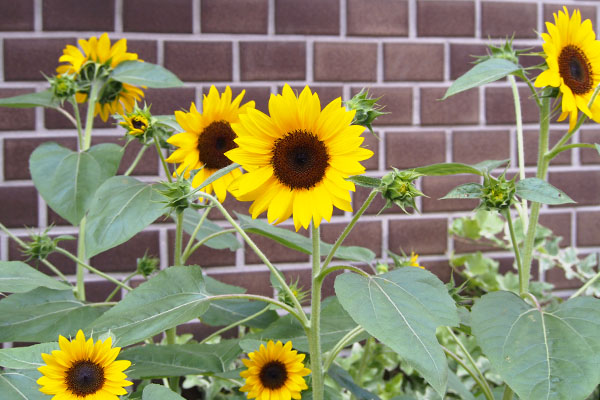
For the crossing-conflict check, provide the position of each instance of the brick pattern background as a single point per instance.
(407, 51)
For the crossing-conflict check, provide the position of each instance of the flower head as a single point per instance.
(297, 158)
(83, 370)
(573, 58)
(274, 372)
(206, 137)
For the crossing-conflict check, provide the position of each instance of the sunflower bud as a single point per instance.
(40, 246)
(382, 268)
(505, 51)
(147, 265)
(398, 188)
(63, 87)
(497, 194)
(406, 261)
(177, 194)
(366, 108)
(296, 290)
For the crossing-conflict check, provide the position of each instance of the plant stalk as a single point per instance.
(586, 285)
(234, 324)
(116, 290)
(520, 147)
(162, 161)
(314, 338)
(515, 244)
(488, 395)
(508, 393)
(340, 345)
(136, 160)
(188, 248)
(81, 256)
(187, 254)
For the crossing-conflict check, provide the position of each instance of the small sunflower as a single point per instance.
(274, 372)
(573, 58)
(298, 158)
(83, 370)
(206, 137)
(136, 124)
(414, 260)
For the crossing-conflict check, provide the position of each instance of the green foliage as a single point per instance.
(534, 189)
(145, 74)
(18, 277)
(159, 392)
(367, 109)
(226, 241)
(482, 73)
(44, 98)
(458, 168)
(29, 357)
(365, 181)
(17, 385)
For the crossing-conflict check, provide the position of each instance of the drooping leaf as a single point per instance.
(458, 168)
(402, 309)
(122, 207)
(40, 99)
(534, 189)
(465, 191)
(490, 165)
(172, 297)
(485, 72)
(109, 157)
(159, 392)
(226, 241)
(145, 74)
(365, 181)
(344, 379)
(220, 173)
(540, 354)
(156, 361)
(29, 357)
(19, 386)
(18, 277)
(301, 243)
(42, 314)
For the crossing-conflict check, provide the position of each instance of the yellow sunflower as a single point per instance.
(274, 373)
(206, 137)
(115, 97)
(136, 124)
(83, 370)
(414, 260)
(573, 58)
(298, 158)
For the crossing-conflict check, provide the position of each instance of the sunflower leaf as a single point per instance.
(145, 74)
(226, 241)
(482, 73)
(534, 189)
(465, 191)
(344, 379)
(220, 173)
(28, 100)
(540, 354)
(159, 392)
(29, 357)
(458, 168)
(402, 309)
(18, 277)
(365, 181)
(597, 147)
(19, 386)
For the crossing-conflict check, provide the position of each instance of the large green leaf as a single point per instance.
(534, 189)
(484, 72)
(39, 99)
(344, 379)
(301, 243)
(18, 277)
(18, 386)
(67, 180)
(174, 296)
(145, 74)
(121, 208)
(42, 314)
(156, 361)
(226, 241)
(159, 392)
(402, 309)
(29, 357)
(540, 354)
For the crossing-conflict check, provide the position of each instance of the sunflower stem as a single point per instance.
(188, 248)
(162, 161)
(73, 102)
(515, 244)
(234, 324)
(340, 345)
(89, 118)
(116, 290)
(508, 393)
(326, 271)
(178, 240)
(136, 161)
(364, 361)
(80, 264)
(186, 255)
(314, 339)
(520, 147)
(586, 285)
(488, 395)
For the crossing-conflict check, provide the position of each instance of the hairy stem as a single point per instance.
(314, 338)
(516, 251)
(188, 248)
(488, 395)
(340, 345)
(162, 161)
(234, 324)
(136, 160)
(520, 146)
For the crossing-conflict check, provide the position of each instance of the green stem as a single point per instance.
(553, 153)
(55, 270)
(586, 285)
(256, 297)
(66, 114)
(515, 244)
(186, 255)
(162, 161)
(508, 393)
(340, 345)
(178, 240)
(92, 269)
(327, 271)
(171, 336)
(77, 118)
(314, 337)
(364, 361)
(234, 324)
(81, 256)
(89, 118)
(532, 88)
(116, 290)
(349, 227)
(488, 395)
(188, 248)
(136, 161)
(520, 146)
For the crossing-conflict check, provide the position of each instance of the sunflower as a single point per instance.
(573, 58)
(136, 124)
(298, 158)
(274, 372)
(83, 370)
(414, 260)
(115, 97)
(206, 137)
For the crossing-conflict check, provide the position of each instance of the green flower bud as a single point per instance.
(63, 87)
(504, 51)
(398, 188)
(497, 194)
(177, 194)
(382, 268)
(366, 108)
(297, 291)
(40, 246)
(147, 265)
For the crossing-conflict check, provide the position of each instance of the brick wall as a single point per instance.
(405, 50)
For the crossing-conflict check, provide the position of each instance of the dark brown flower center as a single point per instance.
(299, 160)
(575, 69)
(216, 139)
(138, 123)
(85, 378)
(273, 375)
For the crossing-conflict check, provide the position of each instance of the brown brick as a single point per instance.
(413, 62)
(234, 16)
(446, 18)
(145, 49)
(462, 57)
(18, 206)
(302, 276)
(437, 187)
(16, 15)
(167, 101)
(465, 245)
(345, 61)
(414, 149)
(500, 19)
(397, 101)
(55, 120)
(421, 235)
(587, 12)
(588, 156)
(459, 109)
(272, 61)
(275, 252)
(157, 16)
(199, 61)
(530, 143)
(440, 268)
(582, 186)
(16, 118)
(256, 282)
(54, 219)
(204, 256)
(377, 18)
(588, 228)
(123, 258)
(309, 17)
(365, 234)
(500, 106)
(471, 147)
(61, 262)
(97, 291)
(18, 62)
(17, 152)
(560, 224)
(259, 94)
(74, 15)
